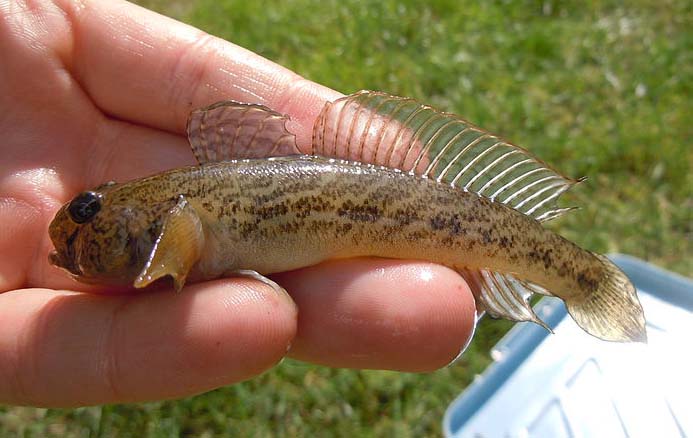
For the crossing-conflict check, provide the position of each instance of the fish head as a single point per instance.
(105, 236)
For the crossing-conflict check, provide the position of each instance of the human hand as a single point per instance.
(101, 90)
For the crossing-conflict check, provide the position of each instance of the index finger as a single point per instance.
(157, 69)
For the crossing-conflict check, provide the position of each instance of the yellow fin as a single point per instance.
(177, 248)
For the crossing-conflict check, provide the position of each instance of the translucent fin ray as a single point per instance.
(398, 132)
(231, 130)
(503, 296)
(611, 312)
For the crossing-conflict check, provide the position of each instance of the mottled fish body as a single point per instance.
(442, 190)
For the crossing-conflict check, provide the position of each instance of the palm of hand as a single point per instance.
(57, 141)
(98, 92)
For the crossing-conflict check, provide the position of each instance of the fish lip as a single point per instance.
(59, 262)
(54, 259)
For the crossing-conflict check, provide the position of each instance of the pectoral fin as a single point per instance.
(177, 248)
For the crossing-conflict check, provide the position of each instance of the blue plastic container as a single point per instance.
(570, 384)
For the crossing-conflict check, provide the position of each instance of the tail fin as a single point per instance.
(612, 312)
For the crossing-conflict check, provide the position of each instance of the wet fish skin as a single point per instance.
(290, 212)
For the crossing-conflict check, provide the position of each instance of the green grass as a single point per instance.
(600, 90)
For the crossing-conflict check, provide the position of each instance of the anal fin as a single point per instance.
(503, 296)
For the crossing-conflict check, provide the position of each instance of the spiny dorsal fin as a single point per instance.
(378, 128)
(230, 130)
(502, 295)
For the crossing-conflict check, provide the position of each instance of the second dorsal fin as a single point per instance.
(230, 130)
(378, 128)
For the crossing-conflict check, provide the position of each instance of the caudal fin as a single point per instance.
(612, 312)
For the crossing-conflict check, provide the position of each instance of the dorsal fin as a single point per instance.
(378, 128)
(230, 130)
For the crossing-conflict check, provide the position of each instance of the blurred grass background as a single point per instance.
(596, 88)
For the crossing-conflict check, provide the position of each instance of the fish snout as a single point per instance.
(54, 259)
(57, 260)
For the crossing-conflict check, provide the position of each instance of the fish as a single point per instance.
(386, 176)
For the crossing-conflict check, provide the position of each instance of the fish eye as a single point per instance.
(84, 207)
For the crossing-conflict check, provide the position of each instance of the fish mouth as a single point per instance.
(59, 262)
(54, 259)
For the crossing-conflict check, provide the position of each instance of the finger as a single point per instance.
(156, 70)
(378, 313)
(69, 349)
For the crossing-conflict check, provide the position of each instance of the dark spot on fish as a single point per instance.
(247, 228)
(456, 224)
(438, 222)
(405, 216)
(267, 212)
(586, 282)
(546, 258)
(344, 228)
(447, 241)
(450, 222)
(71, 238)
(290, 227)
(359, 213)
(305, 206)
(533, 255)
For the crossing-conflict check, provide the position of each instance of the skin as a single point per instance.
(101, 91)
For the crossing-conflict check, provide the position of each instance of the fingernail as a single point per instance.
(468, 342)
(279, 290)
